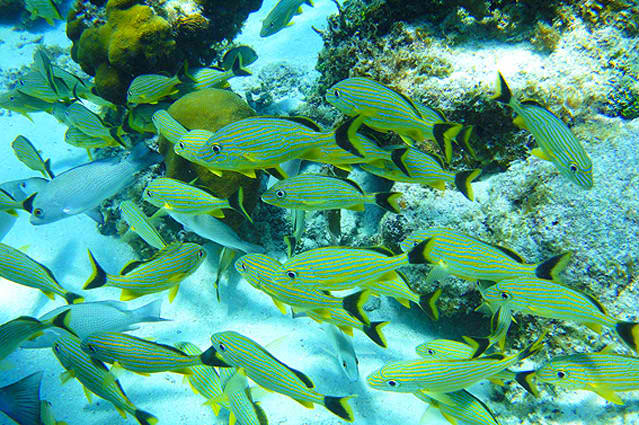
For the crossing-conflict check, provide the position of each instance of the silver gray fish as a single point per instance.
(214, 230)
(344, 352)
(21, 400)
(83, 188)
(100, 316)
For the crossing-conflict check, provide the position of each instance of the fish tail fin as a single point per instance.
(145, 418)
(236, 201)
(23, 399)
(291, 242)
(374, 332)
(354, 305)
(63, 320)
(212, 358)
(463, 181)
(533, 348)
(98, 276)
(444, 133)
(143, 157)
(418, 255)
(115, 133)
(463, 139)
(388, 201)
(73, 298)
(525, 379)
(629, 334)
(237, 69)
(503, 93)
(428, 303)
(47, 169)
(150, 312)
(309, 2)
(551, 268)
(479, 344)
(346, 136)
(398, 157)
(340, 407)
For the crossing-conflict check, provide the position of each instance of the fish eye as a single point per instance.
(12, 98)
(181, 144)
(23, 185)
(243, 266)
(200, 253)
(336, 93)
(291, 274)
(430, 352)
(573, 168)
(56, 348)
(216, 148)
(222, 347)
(280, 194)
(344, 364)
(561, 374)
(504, 296)
(148, 193)
(91, 348)
(393, 384)
(38, 212)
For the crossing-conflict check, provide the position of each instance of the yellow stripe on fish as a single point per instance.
(29, 156)
(165, 270)
(168, 126)
(139, 223)
(556, 142)
(346, 323)
(204, 78)
(151, 88)
(455, 253)
(461, 406)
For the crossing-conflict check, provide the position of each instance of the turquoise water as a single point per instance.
(579, 65)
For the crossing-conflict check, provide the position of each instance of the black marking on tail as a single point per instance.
(212, 358)
(503, 94)
(73, 298)
(479, 344)
(629, 334)
(417, 255)
(550, 268)
(339, 406)
(354, 303)
(397, 157)
(237, 68)
(463, 181)
(374, 332)
(275, 173)
(236, 201)
(389, 201)
(428, 303)
(62, 321)
(99, 276)
(525, 380)
(439, 129)
(291, 242)
(145, 418)
(343, 140)
(47, 168)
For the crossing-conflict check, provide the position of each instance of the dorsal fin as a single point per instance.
(352, 183)
(134, 264)
(596, 302)
(306, 122)
(382, 250)
(305, 379)
(512, 254)
(532, 102)
(130, 266)
(409, 101)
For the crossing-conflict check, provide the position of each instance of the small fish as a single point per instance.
(139, 223)
(77, 138)
(168, 126)
(140, 117)
(398, 288)
(8, 203)
(16, 331)
(444, 376)
(241, 405)
(139, 355)
(261, 270)
(34, 84)
(335, 155)
(29, 156)
(603, 373)
(165, 270)
(45, 9)
(544, 298)
(312, 192)
(455, 253)
(410, 165)
(462, 406)
(21, 400)
(83, 188)
(225, 261)
(151, 88)
(42, 64)
(344, 352)
(214, 230)
(95, 378)
(90, 123)
(46, 414)
(445, 349)
(233, 349)
(336, 268)
(386, 110)
(99, 316)
(246, 54)
(19, 190)
(189, 144)
(204, 78)
(183, 198)
(556, 142)
(280, 16)
(346, 323)
(18, 267)
(23, 104)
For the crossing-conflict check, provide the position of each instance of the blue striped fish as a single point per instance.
(241, 406)
(139, 223)
(445, 349)
(455, 253)
(21, 402)
(370, 151)
(79, 116)
(444, 376)
(544, 298)
(462, 406)
(138, 355)
(16, 331)
(204, 78)
(96, 378)
(29, 156)
(18, 267)
(189, 144)
(74, 137)
(604, 373)
(260, 271)
(410, 165)
(336, 268)
(165, 270)
(23, 104)
(313, 192)
(180, 197)
(168, 126)
(36, 85)
(386, 110)
(234, 349)
(151, 88)
(556, 142)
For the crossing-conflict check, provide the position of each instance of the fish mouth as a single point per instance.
(212, 357)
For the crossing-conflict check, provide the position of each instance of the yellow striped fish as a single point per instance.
(16, 331)
(168, 126)
(556, 142)
(462, 406)
(139, 223)
(445, 349)
(77, 138)
(204, 78)
(96, 378)
(89, 123)
(29, 156)
(455, 253)
(410, 165)
(280, 16)
(544, 298)
(18, 267)
(603, 373)
(45, 9)
(165, 270)
(138, 355)
(20, 401)
(260, 270)
(233, 349)
(444, 376)
(333, 154)
(346, 323)
(36, 85)
(313, 192)
(190, 143)
(386, 110)
(183, 198)
(336, 268)
(23, 104)
(151, 88)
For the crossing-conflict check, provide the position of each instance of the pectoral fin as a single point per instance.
(173, 292)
